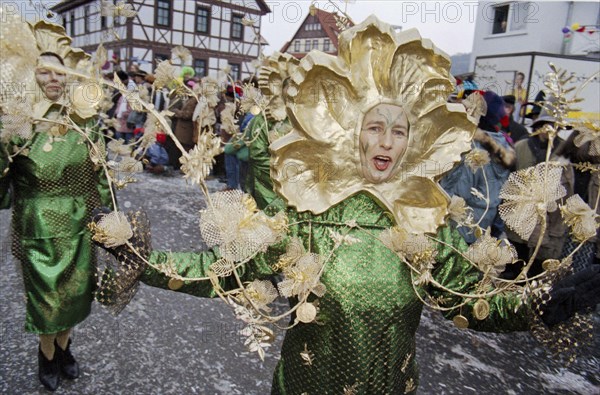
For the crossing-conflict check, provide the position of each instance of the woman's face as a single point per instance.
(383, 140)
(51, 82)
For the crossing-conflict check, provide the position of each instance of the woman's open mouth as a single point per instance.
(382, 162)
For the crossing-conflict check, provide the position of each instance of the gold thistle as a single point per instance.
(582, 220)
(120, 8)
(459, 211)
(528, 195)
(234, 224)
(197, 163)
(165, 74)
(112, 230)
(477, 158)
(182, 53)
(303, 277)
(490, 254)
(261, 293)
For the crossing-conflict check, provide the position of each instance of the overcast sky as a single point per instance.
(449, 24)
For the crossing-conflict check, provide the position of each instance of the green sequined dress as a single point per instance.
(55, 187)
(364, 338)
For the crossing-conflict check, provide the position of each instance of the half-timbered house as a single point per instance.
(318, 31)
(216, 32)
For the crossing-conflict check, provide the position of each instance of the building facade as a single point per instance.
(215, 31)
(318, 31)
(516, 27)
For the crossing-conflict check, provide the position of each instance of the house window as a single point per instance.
(500, 19)
(326, 45)
(237, 29)
(235, 71)
(72, 18)
(307, 46)
(511, 17)
(315, 44)
(519, 13)
(163, 13)
(203, 20)
(65, 22)
(103, 22)
(200, 67)
(86, 19)
(297, 46)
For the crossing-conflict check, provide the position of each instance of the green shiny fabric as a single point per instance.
(258, 182)
(53, 195)
(367, 320)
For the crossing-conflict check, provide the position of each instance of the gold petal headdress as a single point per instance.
(317, 165)
(277, 68)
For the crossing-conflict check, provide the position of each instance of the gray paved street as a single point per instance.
(169, 343)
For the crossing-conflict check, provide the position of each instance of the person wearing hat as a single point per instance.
(530, 152)
(462, 180)
(515, 130)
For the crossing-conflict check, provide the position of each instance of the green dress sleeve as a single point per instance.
(507, 314)
(259, 178)
(197, 264)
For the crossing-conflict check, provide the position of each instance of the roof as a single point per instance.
(327, 21)
(67, 5)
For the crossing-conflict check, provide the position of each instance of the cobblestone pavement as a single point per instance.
(169, 343)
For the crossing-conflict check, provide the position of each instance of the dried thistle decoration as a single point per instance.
(253, 100)
(165, 74)
(340, 239)
(412, 247)
(490, 254)
(197, 163)
(589, 132)
(459, 211)
(126, 165)
(582, 220)
(118, 148)
(234, 224)
(477, 158)
(261, 294)
(120, 8)
(528, 195)
(182, 53)
(112, 230)
(228, 121)
(303, 277)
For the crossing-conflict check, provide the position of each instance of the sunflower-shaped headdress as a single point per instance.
(318, 165)
(271, 79)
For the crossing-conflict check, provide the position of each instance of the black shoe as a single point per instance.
(67, 363)
(49, 371)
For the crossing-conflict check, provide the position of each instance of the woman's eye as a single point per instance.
(375, 129)
(399, 132)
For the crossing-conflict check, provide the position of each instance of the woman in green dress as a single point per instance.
(55, 186)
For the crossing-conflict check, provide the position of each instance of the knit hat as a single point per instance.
(509, 99)
(495, 109)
